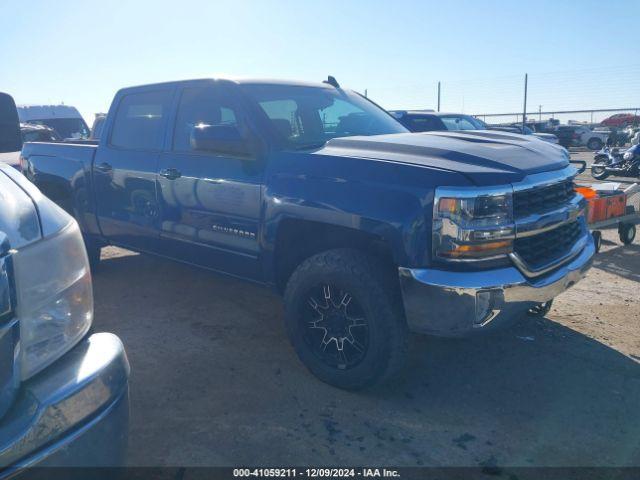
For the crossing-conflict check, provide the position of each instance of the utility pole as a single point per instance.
(540, 113)
(524, 111)
(365, 93)
(438, 96)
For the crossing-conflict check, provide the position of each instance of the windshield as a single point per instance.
(307, 117)
(66, 127)
(462, 122)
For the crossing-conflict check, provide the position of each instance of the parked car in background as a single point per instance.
(65, 120)
(567, 136)
(518, 128)
(63, 392)
(621, 120)
(367, 230)
(37, 133)
(543, 126)
(580, 135)
(593, 139)
(430, 121)
(98, 125)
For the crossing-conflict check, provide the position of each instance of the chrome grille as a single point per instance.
(544, 198)
(545, 248)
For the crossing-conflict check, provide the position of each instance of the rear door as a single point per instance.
(209, 202)
(125, 166)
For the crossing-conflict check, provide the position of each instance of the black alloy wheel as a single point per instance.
(336, 329)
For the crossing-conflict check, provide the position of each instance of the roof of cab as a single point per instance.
(238, 81)
(41, 112)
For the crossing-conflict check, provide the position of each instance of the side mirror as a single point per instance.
(10, 137)
(222, 139)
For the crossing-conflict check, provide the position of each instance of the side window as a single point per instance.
(201, 106)
(139, 120)
(284, 116)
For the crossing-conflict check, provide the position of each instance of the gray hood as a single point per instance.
(485, 157)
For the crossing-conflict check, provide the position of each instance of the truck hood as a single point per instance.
(485, 157)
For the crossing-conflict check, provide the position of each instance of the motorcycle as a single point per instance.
(614, 162)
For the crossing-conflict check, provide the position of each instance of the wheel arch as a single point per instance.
(297, 239)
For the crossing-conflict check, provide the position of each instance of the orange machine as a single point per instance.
(603, 205)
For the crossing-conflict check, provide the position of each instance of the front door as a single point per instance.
(125, 167)
(209, 203)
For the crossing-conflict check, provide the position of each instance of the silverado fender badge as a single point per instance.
(233, 231)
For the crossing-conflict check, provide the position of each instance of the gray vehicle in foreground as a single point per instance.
(63, 392)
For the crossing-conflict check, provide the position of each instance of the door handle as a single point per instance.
(104, 167)
(170, 173)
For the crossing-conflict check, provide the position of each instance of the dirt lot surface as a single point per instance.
(215, 382)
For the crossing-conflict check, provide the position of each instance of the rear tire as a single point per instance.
(371, 331)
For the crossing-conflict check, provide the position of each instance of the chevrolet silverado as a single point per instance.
(367, 230)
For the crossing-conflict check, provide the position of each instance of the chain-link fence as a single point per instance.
(585, 96)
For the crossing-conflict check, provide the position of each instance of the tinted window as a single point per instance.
(306, 117)
(139, 120)
(427, 123)
(201, 106)
(38, 136)
(71, 128)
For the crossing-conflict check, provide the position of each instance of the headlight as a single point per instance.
(54, 297)
(472, 227)
(627, 155)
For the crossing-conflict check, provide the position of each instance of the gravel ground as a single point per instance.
(215, 382)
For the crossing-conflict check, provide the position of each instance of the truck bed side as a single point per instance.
(62, 171)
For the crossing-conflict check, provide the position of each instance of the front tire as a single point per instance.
(597, 240)
(599, 173)
(344, 321)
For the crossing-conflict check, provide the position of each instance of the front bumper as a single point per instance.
(448, 303)
(73, 413)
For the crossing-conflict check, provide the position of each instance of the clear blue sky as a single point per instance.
(579, 54)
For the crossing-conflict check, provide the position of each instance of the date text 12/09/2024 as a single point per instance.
(315, 472)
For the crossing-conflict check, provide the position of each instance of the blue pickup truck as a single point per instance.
(63, 391)
(367, 230)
